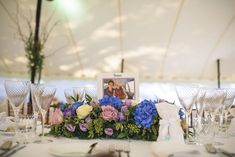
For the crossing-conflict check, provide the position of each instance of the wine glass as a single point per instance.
(44, 97)
(69, 95)
(36, 89)
(16, 92)
(228, 102)
(214, 100)
(187, 97)
(79, 93)
(199, 103)
(91, 92)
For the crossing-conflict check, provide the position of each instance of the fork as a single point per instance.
(14, 151)
(7, 147)
(212, 150)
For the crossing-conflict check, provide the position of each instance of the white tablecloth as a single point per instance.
(138, 148)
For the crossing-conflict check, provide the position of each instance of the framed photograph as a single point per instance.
(121, 85)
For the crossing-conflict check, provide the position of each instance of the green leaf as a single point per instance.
(121, 135)
(88, 98)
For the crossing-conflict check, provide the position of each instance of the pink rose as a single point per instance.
(56, 117)
(109, 113)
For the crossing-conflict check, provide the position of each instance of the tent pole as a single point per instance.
(35, 50)
(218, 72)
(122, 65)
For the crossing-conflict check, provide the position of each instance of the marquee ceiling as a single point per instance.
(158, 39)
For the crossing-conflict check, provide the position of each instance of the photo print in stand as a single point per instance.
(121, 85)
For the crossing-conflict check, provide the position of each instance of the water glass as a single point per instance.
(204, 131)
(25, 132)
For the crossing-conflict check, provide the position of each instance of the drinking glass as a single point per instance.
(228, 102)
(69, 95)
(36, 89)
(214, 100)
(204, 130)
(25, 129)
(44, 97)
(187, 97)
(79, 93)
(199, 103)
(92, 92)
(16, 92)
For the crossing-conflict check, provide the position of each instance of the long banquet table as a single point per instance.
(137, 148)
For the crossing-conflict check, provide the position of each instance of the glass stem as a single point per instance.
(43, 121)
(16, 113)
(187, 125)
(225, 117)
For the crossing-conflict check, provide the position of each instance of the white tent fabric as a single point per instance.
(162, 39)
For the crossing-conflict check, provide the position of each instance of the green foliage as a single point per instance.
(98, 126)
(34, 54)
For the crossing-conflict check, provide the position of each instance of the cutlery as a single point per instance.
(184, 153)
(92, 146)
(7, 146)
(13, 151)
(212, 150)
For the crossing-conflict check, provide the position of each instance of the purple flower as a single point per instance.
(70, 127)
(83, 127)
(69, 112)
(121, 117)
(128, 103)
(124, 108)
(108, 131)
(88, 119)
(109, 113)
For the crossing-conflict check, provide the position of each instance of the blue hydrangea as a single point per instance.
(77, 104)
(181, 114)
(71, 110)
(144, 113)
(62, 107)
(112, 101)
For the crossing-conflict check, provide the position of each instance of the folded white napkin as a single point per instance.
(170, 128)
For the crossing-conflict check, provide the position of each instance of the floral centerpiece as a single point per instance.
(108, 118)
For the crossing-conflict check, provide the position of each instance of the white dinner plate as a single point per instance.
(69, 150)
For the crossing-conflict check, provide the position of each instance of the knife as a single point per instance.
(14, 151)
(92, 146)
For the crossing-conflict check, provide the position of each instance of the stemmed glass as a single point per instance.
(199, 103)
(16, 92)
(79, 93)
(44, 96)
(187, 97)
(36, 89)
(229, 101)
(214, 100)
(91, 91)
(69, 95)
